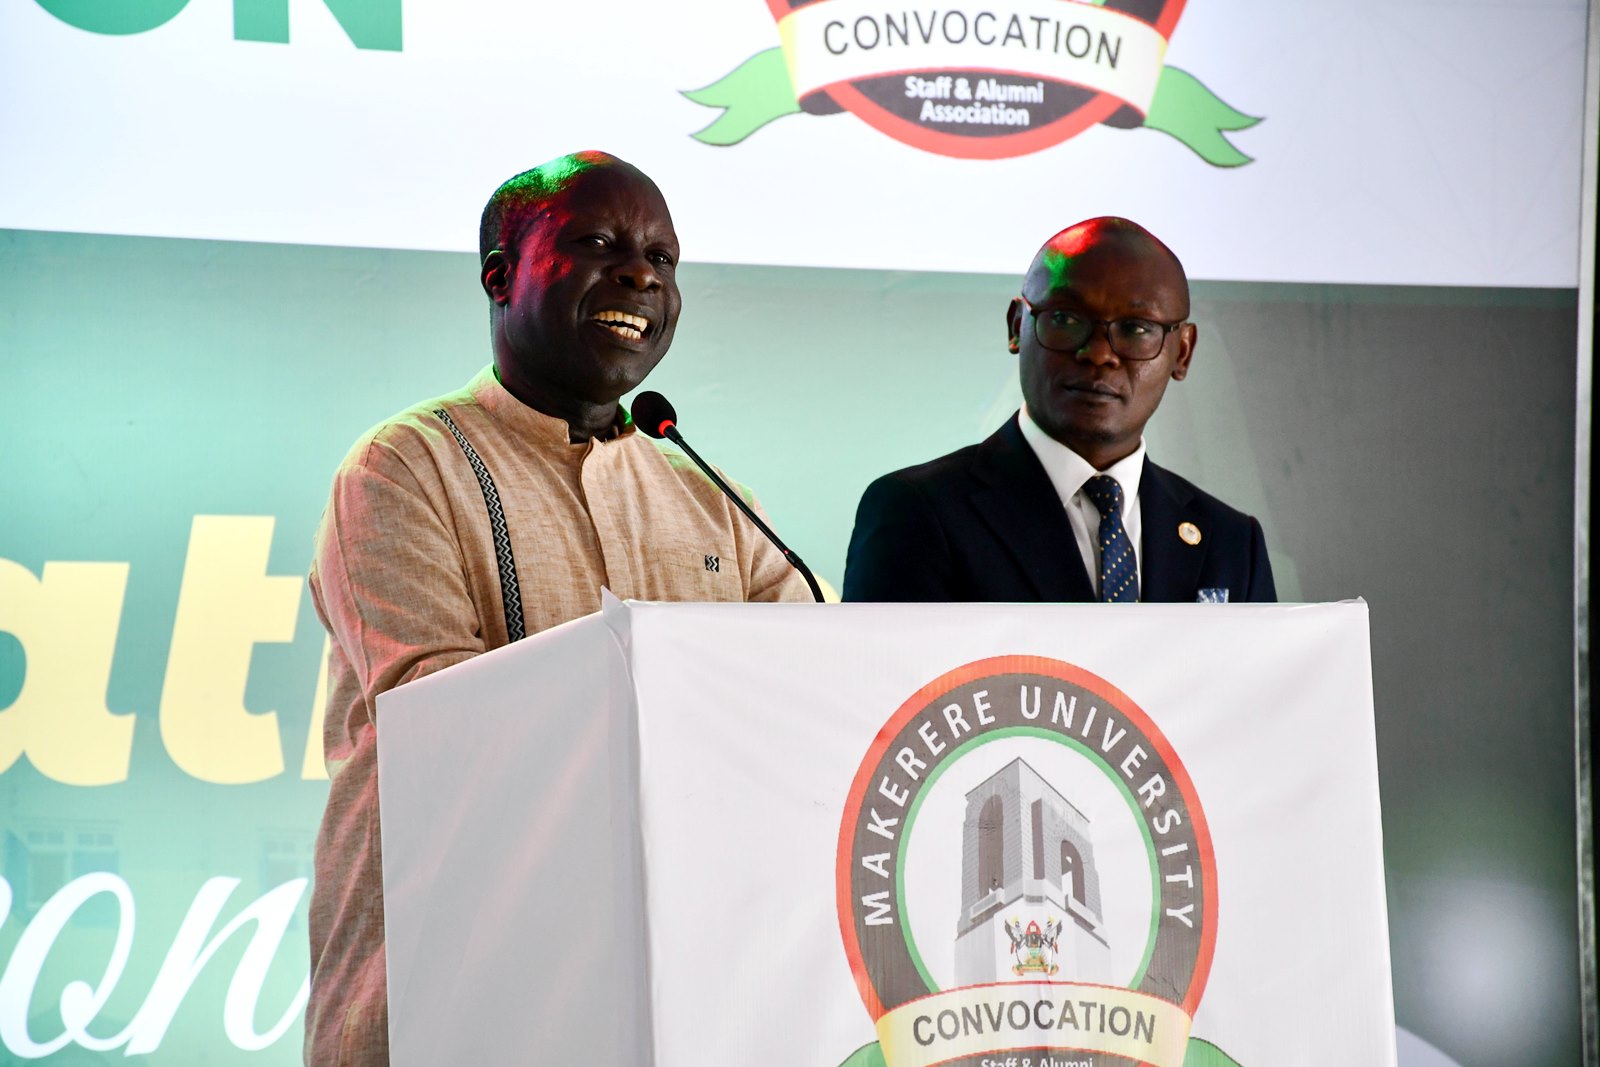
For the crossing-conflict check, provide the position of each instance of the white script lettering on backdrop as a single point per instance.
(193, 946)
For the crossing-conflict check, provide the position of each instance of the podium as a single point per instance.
(683, 834)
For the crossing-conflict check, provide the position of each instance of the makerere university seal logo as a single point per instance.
(1025, 875)
(976, 81)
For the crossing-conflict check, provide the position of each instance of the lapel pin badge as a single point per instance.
(1189, 532)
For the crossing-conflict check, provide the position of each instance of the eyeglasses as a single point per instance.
(1067, 331)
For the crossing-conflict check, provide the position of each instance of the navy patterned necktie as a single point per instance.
(1119, 576)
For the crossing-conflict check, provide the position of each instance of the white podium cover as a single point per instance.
(1007, 836)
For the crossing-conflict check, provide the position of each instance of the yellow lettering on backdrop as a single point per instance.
(67, 623)
(226, 606)
(314, 766)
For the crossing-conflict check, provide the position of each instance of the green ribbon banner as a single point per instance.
(758, 91)
(1187, 110)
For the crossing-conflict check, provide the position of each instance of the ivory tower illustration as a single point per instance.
(1028, 858)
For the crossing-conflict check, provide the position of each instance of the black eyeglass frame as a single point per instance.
(1105, 327)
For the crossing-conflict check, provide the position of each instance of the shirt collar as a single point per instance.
(532, 425)
(1068, 470)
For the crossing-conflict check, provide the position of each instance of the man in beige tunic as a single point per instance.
(502, 509)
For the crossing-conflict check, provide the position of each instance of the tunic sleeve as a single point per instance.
(772, 577)
(388, 578)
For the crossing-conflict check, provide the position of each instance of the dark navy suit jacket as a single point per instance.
(985, 524)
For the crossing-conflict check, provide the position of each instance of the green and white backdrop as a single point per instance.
(235, 234)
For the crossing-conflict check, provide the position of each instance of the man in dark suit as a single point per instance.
(1060, 504)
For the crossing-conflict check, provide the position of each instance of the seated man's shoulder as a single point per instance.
(935, 474)
(1189, 494)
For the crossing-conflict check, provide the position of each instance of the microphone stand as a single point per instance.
(670, 431)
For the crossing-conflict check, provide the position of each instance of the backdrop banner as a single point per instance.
(877, 834)
(1406, 142)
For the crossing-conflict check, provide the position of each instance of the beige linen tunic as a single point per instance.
(405, 580)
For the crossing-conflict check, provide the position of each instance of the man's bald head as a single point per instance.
(1075, 248)
(520, 200)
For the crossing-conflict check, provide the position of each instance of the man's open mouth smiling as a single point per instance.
(624, 325)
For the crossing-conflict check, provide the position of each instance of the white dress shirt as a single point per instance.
(1068, 472)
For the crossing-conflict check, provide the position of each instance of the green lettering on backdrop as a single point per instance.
(373, 24)
(262, 20)
(127, 16)
(370, 24)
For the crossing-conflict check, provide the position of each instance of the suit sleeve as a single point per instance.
(898, 551)
(1262, 590)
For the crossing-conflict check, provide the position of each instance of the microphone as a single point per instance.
(654, 415)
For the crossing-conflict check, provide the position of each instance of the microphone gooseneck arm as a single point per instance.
(654, 415)
(670, 431)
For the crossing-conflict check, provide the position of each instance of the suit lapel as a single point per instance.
(1169, 569)
(1020, 505)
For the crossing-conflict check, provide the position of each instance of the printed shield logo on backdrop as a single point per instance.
(1024, 867)
(977, 81)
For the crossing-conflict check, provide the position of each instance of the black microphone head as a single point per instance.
(653, 413)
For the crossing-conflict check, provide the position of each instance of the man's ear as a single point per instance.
(1014, 315)
(496, 276)
(1188, 334)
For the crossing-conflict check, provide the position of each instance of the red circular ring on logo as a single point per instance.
(1054, 668)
